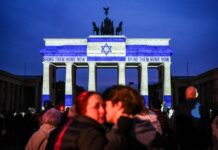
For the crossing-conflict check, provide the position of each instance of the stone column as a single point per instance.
(15, 98)
(46, 83)
(8, 102)
(4, 94)
(167, 84)
(121, 73)
(18, 98)
(92, 76)
(36, 97)
(144, 81)
(1, 94)
(160, 74)
(22, 98)
(75, 92)
(12, 97)
(68, 85)
(52, 82)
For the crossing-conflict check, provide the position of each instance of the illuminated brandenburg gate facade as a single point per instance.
(99, 50)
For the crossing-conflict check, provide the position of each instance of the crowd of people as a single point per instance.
(117, 119)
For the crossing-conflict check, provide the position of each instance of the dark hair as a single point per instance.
(81, 101)
(131, 100)
(156, 103)
(47, 104)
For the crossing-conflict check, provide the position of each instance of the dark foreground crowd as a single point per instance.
(114, 120)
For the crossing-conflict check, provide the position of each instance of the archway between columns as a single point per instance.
(155, 87)
(106, 77)
(132, 77)
(60, 86)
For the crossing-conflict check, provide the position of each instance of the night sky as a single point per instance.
(192, 26)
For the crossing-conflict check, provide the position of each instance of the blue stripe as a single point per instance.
(168, 100)
(144, 50)
(106, 39)
(68, 50)
(146, 54)
(147, 47)
(68, 100)
(145, 100)
(106, 58)
(45, 98)
(65, 54)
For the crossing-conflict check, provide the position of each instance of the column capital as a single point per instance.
(46, 62)
(91, 63)
(69, 63)
(144, 63)
(167, 64)
(121, 63)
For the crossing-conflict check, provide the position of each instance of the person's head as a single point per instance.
(191, 93)
(47, 104)
(131, 84)
(91, 105)
(78, 90)
(52, 116)
(121, 100)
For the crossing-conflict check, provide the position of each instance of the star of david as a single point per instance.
(106, 49)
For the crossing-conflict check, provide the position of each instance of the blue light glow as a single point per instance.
(145, 99)
(196, 111)
(168, 100)
(68, 100)
(45, 98)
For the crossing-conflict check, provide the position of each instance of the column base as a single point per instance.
(168, 100)
(145, 100)
(68, 100)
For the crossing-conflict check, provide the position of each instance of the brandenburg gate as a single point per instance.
(109, 51)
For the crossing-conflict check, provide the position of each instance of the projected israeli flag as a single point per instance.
(106, 48)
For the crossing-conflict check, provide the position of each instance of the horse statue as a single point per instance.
(95, 28)
(119, 28)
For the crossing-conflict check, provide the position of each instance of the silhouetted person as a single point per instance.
(163, 119)
(214, 126)
(30, 125)
(83, 131)
(131, 84)
(122, 103)
(78, 90)
(50, 120)
(191, 123)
